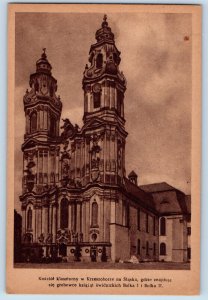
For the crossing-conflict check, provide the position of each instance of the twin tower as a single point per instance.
(72, 180)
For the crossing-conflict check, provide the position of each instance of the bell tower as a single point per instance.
(42, 112)
(103, 83)
(104, 86)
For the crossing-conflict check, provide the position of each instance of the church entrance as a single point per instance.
(93, 253)
(63, 250)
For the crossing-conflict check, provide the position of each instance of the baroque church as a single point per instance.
(77, 201)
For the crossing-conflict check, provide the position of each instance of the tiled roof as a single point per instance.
(145, 199)
(160, 197)
(156, 187)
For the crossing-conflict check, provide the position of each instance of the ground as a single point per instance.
(107, 265)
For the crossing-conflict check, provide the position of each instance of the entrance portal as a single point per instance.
(62, 250)
(93, 253)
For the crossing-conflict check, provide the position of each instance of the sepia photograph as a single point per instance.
(103, 140)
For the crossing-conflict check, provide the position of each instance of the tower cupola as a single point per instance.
(104, 33)
(42, 65)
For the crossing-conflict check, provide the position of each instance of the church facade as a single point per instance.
(76, 198)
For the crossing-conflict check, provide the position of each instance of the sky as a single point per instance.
(156, 61)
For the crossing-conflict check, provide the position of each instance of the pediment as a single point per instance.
(29, 143)
(93, 123)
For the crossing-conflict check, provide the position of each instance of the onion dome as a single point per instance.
(42, 65)
(104, 33)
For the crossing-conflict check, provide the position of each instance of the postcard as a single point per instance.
(104, 142)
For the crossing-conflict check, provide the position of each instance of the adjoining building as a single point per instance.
(76, 198)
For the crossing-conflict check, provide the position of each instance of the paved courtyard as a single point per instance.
(107, 265)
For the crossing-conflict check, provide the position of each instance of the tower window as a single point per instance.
(94, 214)
(162, 226)
(29, 219)
(33, 122)
(99, 61)
(64, 214)
(162, 249)
(120, 97)
(96, 100)
(53, 126)
(189, 253)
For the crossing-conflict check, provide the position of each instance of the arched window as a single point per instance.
(94, 214)
(99, 61)
(138, 219)
(120, 97)
(162, 249)
(29, 219)
(147, 222)
(96, 99)
(147, 248)
(154, 249)
(52, 126)
(138, 247)
(64, 214)
(33, 122)
(162, 226)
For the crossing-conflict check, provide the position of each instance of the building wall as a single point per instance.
(119, 238)
(175, 239)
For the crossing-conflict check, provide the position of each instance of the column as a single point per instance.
(113, 212)
(23, 221)
(38, 119)
(57, 166)
(58, 216)
(107, 98)
(69, 216)
(88, 102)
(72, 216)
(41, 119)
(112, 97)
(45, 118)
(50, 218)
(87, 218)
(54, 229)
(45, 221)
(83, 220)
(103, 95)
(27, 127)
(33, 220)
(101, 221)
(36, 225)
(78, 217)
(116, 103)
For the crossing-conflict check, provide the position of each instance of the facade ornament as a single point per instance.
(49, 238)
(30, 177)
(68, 129)
(41, 238)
